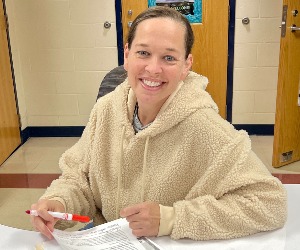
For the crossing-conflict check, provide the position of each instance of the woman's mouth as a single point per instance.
(151, 84)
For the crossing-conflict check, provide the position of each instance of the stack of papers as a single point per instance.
(112, 235)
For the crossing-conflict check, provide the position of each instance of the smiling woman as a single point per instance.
(156, 69)
(156, 152)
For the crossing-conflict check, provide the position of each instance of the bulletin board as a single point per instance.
(191, 9)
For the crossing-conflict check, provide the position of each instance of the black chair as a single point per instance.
(112, 80)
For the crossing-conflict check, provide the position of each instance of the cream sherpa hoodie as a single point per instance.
(191, 161)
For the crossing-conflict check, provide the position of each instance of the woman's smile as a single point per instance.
(151, 84)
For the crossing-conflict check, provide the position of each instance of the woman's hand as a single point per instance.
(45, 222)
(143, 218)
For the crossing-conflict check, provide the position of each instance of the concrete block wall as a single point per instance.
(256, 60)
(61, 52)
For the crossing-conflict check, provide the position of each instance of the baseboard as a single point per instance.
(24, 135)
(76, 131)
(256, 129)
(62, 131)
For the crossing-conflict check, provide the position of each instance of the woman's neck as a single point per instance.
(147, 114)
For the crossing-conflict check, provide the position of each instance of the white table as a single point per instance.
(287, 238)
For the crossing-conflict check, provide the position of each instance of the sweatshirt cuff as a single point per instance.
(167, 218)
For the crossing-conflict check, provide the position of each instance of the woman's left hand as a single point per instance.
(143, 218)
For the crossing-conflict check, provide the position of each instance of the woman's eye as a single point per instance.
(169, 58)
(143, 53)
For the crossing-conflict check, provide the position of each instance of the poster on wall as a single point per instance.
(192, 9)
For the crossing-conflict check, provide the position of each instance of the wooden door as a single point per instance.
(210, 50)
(9, 120)
(286, 147)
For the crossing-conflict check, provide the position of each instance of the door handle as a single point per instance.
(294, 28)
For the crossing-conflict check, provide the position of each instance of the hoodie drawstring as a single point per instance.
(119, 174)
(144, 169)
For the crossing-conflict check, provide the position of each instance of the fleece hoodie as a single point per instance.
(196, 165)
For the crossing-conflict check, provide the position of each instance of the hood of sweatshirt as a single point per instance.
(189, 97)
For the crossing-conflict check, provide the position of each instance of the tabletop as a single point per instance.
(286, 238)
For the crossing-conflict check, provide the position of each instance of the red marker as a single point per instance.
(62, 216)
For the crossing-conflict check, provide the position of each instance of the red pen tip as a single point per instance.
(80, 218)
(27, 211)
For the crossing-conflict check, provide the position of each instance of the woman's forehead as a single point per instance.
(160, 27)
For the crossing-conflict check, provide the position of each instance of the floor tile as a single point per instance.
(263, 147)
(27, 180)
(17, 201)
(46, 166)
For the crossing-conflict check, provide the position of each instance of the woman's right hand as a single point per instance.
(45, 222)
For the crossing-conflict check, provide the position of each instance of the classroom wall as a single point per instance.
(256, 61)
(61, 52)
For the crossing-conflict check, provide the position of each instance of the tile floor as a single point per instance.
(25, 175)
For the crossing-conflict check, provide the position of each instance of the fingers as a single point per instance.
(131, 210)
(140, 233)
(140, 229)
(144, 227)
(44, 222)
(143, 218)
(42, 226)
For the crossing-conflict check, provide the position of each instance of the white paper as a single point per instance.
(18, 239)
(109, 236)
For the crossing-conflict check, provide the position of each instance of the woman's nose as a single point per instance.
(153, 66)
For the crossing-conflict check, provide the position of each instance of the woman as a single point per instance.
(156, 152)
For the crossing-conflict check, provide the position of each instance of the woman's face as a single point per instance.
(156, 60)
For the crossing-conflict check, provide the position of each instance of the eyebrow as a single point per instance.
(146, 46)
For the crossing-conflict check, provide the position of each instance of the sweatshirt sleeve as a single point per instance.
(73, 188)
(236, 197)
(167, 217)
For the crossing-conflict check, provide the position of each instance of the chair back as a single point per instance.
(112, 80)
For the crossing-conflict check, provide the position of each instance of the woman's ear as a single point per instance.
(126, 53)
(187, 66)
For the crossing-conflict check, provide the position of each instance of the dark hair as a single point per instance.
(164, 12)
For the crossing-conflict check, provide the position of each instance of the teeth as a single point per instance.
(151, 84)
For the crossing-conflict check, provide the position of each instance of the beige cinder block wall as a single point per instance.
(256, 59)
(61, 52)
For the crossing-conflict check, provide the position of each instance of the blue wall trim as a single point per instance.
(254, 129)
(25, 135)
(76, 131)
(63, 131)
(118, 7)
